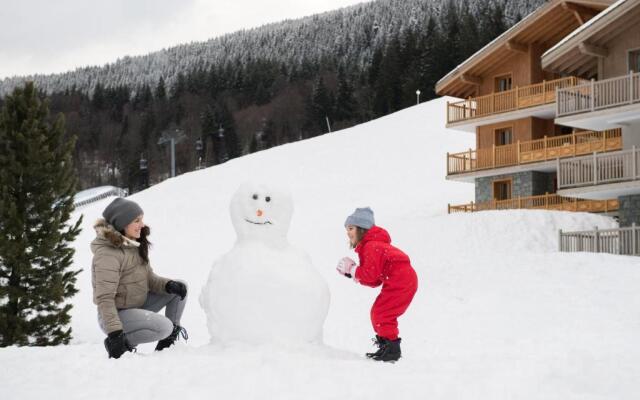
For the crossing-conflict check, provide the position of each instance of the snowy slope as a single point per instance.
(499, 313)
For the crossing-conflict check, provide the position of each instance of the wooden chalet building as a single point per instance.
(509, 100)
(606, 49)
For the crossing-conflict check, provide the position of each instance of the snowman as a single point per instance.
(264, 290)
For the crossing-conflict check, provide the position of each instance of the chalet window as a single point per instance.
(566, 130)
(634, 61)
(502, 190)
(503, 83)
(504, 136)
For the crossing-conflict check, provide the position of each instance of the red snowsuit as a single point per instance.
(383, 264)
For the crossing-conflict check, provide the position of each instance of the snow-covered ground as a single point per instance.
(499, 314)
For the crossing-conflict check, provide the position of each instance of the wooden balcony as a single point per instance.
(548, 148)
(542, 202)
(508, 100)
(599, 169)
(597, 95)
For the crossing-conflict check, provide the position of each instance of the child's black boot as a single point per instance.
(377, 342)
(389, 351)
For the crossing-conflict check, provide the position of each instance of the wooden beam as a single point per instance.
(591, 50)
(572, 63)
(590, 68)
(517, 47)
(473, 80)
(582, 13)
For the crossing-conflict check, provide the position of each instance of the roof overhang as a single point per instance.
(604, 191)
(579, 52)
(545, 26)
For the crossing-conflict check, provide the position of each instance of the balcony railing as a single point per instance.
(598, 95)
(624, 241)
(548, 148)
(599, 168)
(542, 202)
(508, 100)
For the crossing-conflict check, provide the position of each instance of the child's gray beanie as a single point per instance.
(362, 217)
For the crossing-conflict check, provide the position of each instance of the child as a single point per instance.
(380, 264)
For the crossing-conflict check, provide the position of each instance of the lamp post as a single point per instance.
(172, 137)
(199, 148)
(418, 96)
(222, 154)
(144, 172)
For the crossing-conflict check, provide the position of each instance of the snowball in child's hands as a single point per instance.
(346, 266)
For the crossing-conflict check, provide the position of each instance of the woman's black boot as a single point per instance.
(173, 336)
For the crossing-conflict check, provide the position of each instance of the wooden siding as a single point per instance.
(523, 129)
(616, 63)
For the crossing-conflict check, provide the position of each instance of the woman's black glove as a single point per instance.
(175, 287)
(117, 343)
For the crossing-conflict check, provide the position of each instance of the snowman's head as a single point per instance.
(262, 212)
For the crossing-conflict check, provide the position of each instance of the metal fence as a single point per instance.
(113, 192)
(624, 241)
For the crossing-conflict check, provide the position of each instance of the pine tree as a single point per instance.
(321, 106)
(224, 118)
(98, 97)
(37, 185)
(161, 91)
(388, 88)
(428, 66)
(345, 100)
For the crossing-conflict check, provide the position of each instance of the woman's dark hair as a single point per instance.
(143, 249)
(360, 232)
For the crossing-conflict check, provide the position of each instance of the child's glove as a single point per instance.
(346, 267)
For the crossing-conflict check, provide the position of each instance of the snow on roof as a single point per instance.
(585, 26)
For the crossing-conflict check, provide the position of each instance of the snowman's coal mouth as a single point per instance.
(259, 223)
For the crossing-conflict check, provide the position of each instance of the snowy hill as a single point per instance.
(499, 314)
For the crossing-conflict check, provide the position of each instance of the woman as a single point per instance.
(380, 264)
(125, 289)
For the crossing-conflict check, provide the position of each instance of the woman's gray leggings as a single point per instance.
(144, 325)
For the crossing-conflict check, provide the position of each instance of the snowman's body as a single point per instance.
(264, 289)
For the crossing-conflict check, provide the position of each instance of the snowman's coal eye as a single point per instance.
(268, 199)
(255, 197)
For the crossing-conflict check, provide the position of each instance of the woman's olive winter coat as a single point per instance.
(120, 277)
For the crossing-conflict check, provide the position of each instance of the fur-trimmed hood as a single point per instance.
(106, 231)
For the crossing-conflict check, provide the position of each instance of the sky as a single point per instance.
(44, 36)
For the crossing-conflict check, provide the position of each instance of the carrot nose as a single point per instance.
(259, 213)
